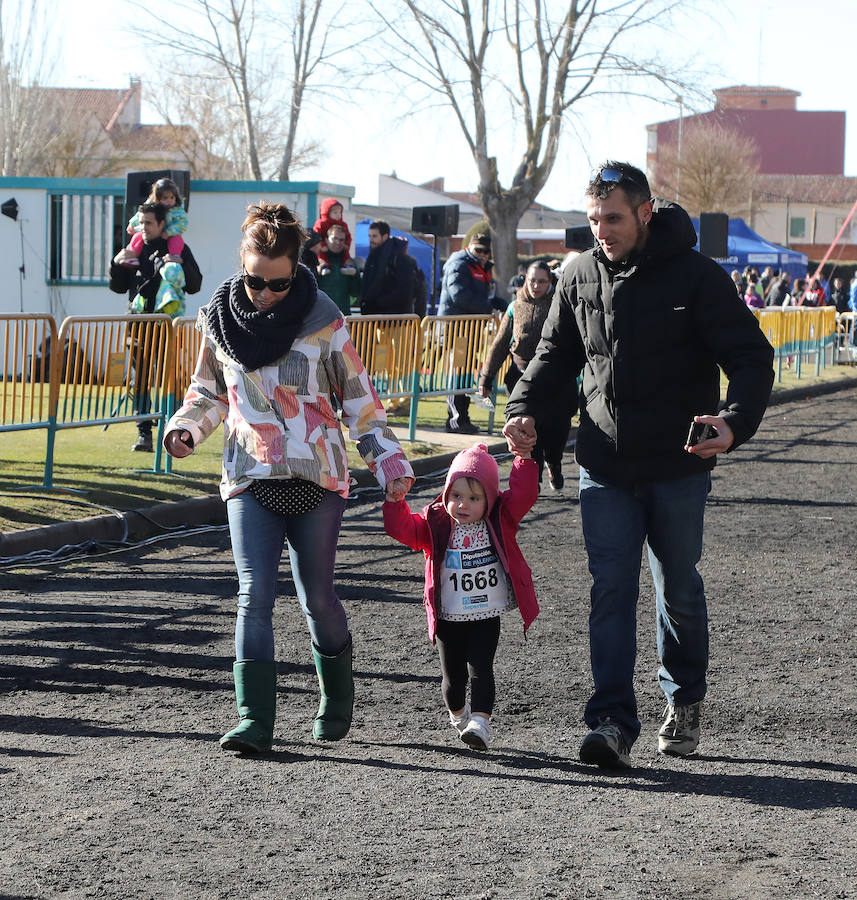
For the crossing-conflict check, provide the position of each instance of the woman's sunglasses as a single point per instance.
(275, 285)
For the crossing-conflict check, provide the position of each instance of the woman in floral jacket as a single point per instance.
(275, 366)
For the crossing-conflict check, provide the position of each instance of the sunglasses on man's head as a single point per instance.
(275, 285)
(617, 176)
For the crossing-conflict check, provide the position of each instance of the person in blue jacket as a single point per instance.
(466, 291)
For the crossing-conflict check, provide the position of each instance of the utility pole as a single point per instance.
(680, 101)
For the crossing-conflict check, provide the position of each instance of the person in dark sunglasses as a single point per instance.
(277, 365)
(649, 323)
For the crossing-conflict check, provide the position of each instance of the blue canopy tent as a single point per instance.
(418, 248)
(746, 248)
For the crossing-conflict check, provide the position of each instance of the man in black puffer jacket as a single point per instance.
(386, 286)
(648, 320)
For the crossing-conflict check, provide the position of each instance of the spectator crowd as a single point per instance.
(773, 288)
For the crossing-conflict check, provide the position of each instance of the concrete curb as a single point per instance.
(140, 524)
(812, 390)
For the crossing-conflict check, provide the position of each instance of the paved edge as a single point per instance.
(140, 524)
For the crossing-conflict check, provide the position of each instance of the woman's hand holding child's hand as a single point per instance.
(397, 488)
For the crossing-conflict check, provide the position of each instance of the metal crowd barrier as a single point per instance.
(187, 342)
(116, 369)
(390, 348)
(106, 369)
(454, 348)
(28, 390)
(797, 333)
(846, 339)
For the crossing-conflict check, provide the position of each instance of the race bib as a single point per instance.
(473, 584)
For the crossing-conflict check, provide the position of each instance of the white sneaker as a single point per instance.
(477, 734)
(461, 721)
(679, 734)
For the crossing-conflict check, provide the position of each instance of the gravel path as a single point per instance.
(116, 678)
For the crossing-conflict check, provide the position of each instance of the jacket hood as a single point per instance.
(670, 231)
(327, 204)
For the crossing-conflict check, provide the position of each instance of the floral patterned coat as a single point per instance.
(283, 420)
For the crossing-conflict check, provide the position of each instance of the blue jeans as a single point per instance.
(257, 537)
(616, 521)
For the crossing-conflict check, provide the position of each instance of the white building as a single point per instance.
(55, 257)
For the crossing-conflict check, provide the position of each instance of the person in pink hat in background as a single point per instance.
(474, 572)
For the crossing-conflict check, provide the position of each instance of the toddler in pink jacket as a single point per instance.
(474, 572)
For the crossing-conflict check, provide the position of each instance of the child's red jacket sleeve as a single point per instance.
(410, 529)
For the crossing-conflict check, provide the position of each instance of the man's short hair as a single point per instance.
(481, 240)
(336, 227)
(158, 209)
(612, 175)
(380, 226)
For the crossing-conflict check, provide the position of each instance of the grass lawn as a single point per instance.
(95, 470)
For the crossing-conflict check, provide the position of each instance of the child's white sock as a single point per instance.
(460, 721)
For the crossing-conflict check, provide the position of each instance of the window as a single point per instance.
(85, 231)
(797, 227)
(652, 141)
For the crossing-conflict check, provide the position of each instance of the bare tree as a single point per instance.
(714, 170)
(26, 52)
(76, 147)
(206, 129)
(217, 35)
(543, 57)
(306, 58)
(222, 40)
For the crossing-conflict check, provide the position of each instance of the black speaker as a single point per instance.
(138, 185)
(10, 209)
(714, 235)
(441, 221)
(579, 238)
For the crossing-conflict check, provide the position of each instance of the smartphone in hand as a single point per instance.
(698, 433)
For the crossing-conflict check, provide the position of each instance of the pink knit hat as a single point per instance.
(475, 462)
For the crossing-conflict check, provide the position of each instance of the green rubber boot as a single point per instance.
(336, 681)
(256, 695)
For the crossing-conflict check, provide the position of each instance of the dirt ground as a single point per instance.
(115, 673)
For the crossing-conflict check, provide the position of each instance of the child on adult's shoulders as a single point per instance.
(331, 214)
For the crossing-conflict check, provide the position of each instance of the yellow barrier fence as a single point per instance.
(106, 369)
(117, 369)
(28, 390)
(390, 347)
(454, 348)
(187, 341)
(798, 332)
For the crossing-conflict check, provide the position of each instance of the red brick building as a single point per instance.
(802, 195)
(791, 141)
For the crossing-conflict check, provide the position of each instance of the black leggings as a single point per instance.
(467, 649)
